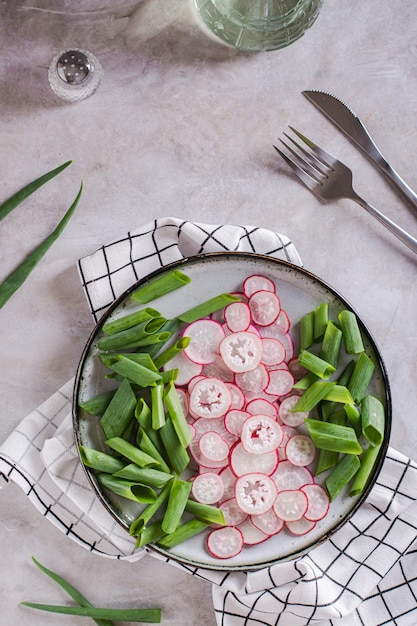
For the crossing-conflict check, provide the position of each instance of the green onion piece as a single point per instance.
(127, 489)
(367, 460)
(373, 419)
(149, 534)
(361, 377)
(333, 436)
(307, 330)
(312, 396)
(326, 407)
(152, 446)
(326, 459)
(306, 381)
(315, 364)
(177, 454)
(26, 191)
(131, 452)
(140, 522)
(176, 413)
(71, 591)
(342, 474)
(127, 321)
(157, 407)
(142, 358)
(208, 307)
(351, 333)
(321, 317)
(120, 411)
(145, 476)
(143, 414)
(184, 532)
(149, 340)
(330, 347)
(145, 616)
(205, 512)
(354, 416)
(168, 329)
(18, 276)
(134, 372)
(339, 393)
(125, 339)
(160, 286)
(169, 376)
(100, 461)
(98, 404)
(172, 351)
(178, 497)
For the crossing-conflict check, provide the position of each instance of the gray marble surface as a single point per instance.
(181, 125)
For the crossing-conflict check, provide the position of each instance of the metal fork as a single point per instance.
(330, 179)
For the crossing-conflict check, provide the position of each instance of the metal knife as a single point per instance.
(350, 124)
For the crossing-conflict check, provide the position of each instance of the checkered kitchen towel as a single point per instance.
(365, 574)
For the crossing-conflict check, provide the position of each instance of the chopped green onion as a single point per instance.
(205, 512)
(333, 436)
(160, 286)
(178, 497)
(18, 276)
(176, 413)
(149, 534)
(315, 364)
(127, 321)
(158, 410)
(331, 344)
(354, 417)
(131, 452)
(373, 419)
(313, 395)
(321, 317)
(339, 393)
(326, 407)
(306, 381)
(26, 191)
(177, 454)
(172, 351)
(100, 461)
(367, 460)
(98, 404)
(307, 330)
(134, 372)
(127, 488)
(145, 476)
(342, 474)
(208, 307)
(119, 411)
(326, 459)
(152, 445)
(130, 337)
(361, 377)
(140, 522)
(351, 333)
(145, 616)
(184, 532)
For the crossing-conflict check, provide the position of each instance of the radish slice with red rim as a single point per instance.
(207, 488)
(234, 420)
(318, 502)
(241, 351)
(237, 316)
(237, 396)
(260, 406)
(261, 434)
(251, 534)
(289, 476)
(286, 415)
(213, 447)
(205, 337)
(273, 351)
(243, 462)
(269, 522)
(233, 514)
(210, 398)
(264, 307)
(300, 450)
(255, 493)
(281, 381)
(283, 321)
(300, 527)
(226, 542)
(254, 381)
(291, 505)
(229, 481)
(218, 369)
(186, 369)
(257, 282)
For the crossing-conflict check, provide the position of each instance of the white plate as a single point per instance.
(211, 274)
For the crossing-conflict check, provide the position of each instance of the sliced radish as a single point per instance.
(233, 514)
(234, 420)
(255, 381)
(225, 542)
(261, 434)
(237, 396)
(297, 370)
(186, 369)
(318, 502)
(273, 351)
(251, 534)
(213, 447)
(241, 351)
(255, 493)
(264, 307)
(269, 522)
(300, 450)
(210, 398)
(183, 398)
(300, 527)
(289, 476)
(283, 321)
(291, 505)
(237, 316)
(205, 337)
(207, 488)
(257, 282)
(243, 462)
(218, 369)
(281, 381)
(260, 406)
(286, 413)
(275, 331)
(229, 481)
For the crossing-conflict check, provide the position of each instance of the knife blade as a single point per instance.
(349, 123)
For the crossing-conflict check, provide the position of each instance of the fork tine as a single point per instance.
(326, 158)
(309, 180)
(309, 159)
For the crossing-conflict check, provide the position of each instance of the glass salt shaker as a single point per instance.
(74, 74)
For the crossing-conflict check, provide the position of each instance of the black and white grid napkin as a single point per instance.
(364, 575)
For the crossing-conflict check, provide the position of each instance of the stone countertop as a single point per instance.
(183, 126)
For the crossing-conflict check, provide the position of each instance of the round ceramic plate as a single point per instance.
(212, 274)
